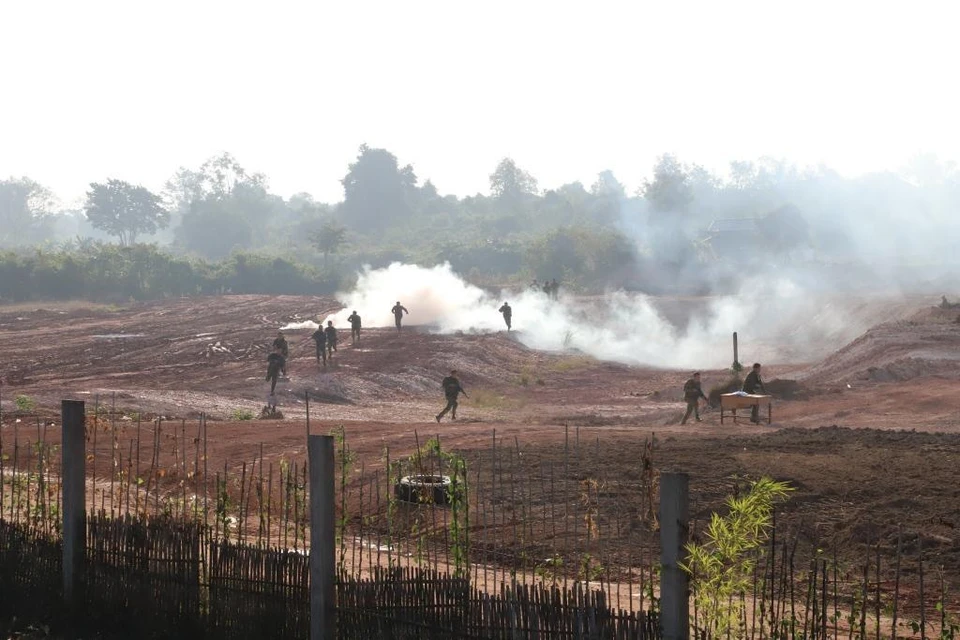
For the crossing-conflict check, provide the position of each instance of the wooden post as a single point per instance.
(674, 523)
(736, 355)
(73, 463)
(322, 538)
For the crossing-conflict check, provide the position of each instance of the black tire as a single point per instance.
(423, 489)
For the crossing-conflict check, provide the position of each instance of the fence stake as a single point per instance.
(322, 538)
(674, 523)
(73, 463)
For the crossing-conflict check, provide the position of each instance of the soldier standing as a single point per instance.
(692, 392)
(507, 313)
(751, 384)
(331, 334)
(451, 390)
(398, 311)
(354, 321)
(320, 337)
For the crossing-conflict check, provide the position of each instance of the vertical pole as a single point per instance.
(736, 355)
(322, 538)
(73, 462)
(674, 522)
(306, 399)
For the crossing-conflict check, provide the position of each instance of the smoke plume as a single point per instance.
(777, 320)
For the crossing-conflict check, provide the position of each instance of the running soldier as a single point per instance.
(750, 385)
(331, 333)
(275, 364)
(451, 389)
(354, 321)
(692, 392)
(507, 313)
(398, 311)
(281, 344)
(320, 337)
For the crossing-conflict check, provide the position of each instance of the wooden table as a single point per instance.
(733, 401)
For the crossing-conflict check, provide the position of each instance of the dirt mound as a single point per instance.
(732, 384)
(782, 389)
(925, 345)
(785, 389)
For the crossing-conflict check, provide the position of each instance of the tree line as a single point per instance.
(110, 272)
(590, 236)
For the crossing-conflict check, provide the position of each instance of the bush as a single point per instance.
(24, 404)
(581, 255)
(242, 414)
(107, 272)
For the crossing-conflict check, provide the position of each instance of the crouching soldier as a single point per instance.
(451, 389)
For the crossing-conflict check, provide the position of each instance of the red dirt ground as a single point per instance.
(888, 451)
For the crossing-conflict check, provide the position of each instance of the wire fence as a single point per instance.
(503, 540)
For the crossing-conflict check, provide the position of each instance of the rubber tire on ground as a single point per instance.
(423, 489)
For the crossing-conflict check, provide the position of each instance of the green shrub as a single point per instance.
(242, 414)
(102, 271)
(722, 566)
(24, 403)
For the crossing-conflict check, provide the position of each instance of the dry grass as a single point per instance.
(487, 399)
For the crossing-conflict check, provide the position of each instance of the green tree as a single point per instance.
(670, 190)
(721, 568)
(124, 210)
(214, 229)
(181, 190)
(607, 185)
(377, 191)
(25, 210)
(329, 239)
(511, 185)
(222, 175)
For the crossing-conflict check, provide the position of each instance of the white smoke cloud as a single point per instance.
(776, 319)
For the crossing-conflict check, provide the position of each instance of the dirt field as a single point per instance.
(870, 435)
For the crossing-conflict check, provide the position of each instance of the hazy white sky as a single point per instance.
(135, 89)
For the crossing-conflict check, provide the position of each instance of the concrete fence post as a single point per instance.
(674, 529)
(74, 511)
(322, 538)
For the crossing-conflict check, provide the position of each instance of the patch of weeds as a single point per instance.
(24, 403)
(486, 399)
(528, 376)
(241, 414)
(571, 363)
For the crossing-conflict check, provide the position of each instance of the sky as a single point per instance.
(134, 90)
